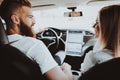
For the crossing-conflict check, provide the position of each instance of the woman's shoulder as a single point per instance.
(103, 55)
(103, 52)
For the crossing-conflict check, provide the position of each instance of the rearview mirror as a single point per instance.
(73, 14)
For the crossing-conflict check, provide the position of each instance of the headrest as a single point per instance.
(3, 36)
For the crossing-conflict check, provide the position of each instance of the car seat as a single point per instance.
(109, 70)
(14, 65)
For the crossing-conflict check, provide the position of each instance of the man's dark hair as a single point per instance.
(9, 6)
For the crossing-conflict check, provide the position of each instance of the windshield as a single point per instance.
(55, 18)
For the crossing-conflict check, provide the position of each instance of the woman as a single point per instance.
(108, 38)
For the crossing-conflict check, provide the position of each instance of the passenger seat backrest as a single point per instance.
(109, 70)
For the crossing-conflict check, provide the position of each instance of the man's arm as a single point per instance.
(48, 65)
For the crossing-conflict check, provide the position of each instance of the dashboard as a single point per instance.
(71, 41)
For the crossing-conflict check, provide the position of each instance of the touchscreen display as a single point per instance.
(74, 42)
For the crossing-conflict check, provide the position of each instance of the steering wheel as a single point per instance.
(52, 39)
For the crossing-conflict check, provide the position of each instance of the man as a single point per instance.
(19, 22)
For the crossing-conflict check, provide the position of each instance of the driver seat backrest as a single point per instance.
(14, 65)
(109, 70)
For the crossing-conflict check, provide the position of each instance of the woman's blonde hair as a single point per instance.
(109, 26)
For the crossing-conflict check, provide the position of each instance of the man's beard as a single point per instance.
(26, 31)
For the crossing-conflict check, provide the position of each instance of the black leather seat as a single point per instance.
(3, 36)
(14, 65)
(109, 70)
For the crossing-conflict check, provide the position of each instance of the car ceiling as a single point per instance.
(41, 4)
(69, 3)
